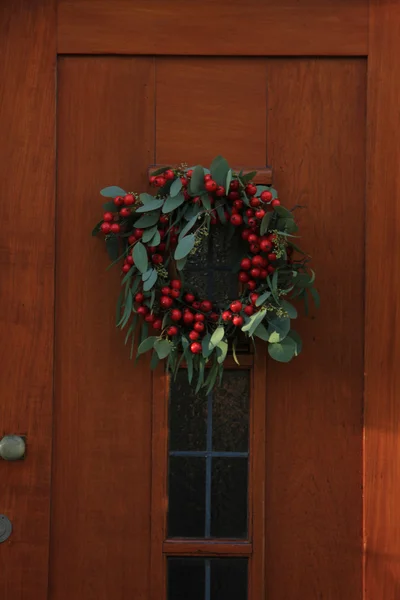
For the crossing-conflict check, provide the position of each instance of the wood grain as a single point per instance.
(220, 125)
(316, 144)
(102, 446)
(207, 548)
(382, 325)
(27, 176)
(226, 27)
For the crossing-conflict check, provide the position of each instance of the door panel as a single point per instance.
(102, 447)
(316, 144)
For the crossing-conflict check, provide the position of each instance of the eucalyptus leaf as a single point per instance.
(140, 258)
(154, 360)
(217, 336)
(149, 283)
(147, 344)
(290, 309)
(222, 351)
(254, 321)
(184, 247)
(283, 351)
(196, 185)
(172, 202)
(175, 188)
(188, 227)
(112, 247)
(149, 206)
(112, 191)
(159, 171)
(297, 339)
(315, 296)
(147, 274)
(207, 348)
(265, 222)
(146, 198)
(148, 220)
(163, 348)
(261, 332)
(219, 170)
(148, 234)
(261, 299)
(280, 325)
(248, 176)
(109, 206)
(205, 200)
(228, 180)
(155, 240)
(200, 379)
(96, 228)
(180, 264)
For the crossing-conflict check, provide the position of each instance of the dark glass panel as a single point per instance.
(197, 283)
(224, 287)
(187, 416)
(229, 497)
(229, 579)
(222, 245)
(231, 413)
(186, 579)
(199, 258)
(186, 511)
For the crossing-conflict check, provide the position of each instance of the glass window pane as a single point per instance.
(187, 484)
(231, 413)
(187, 416)
(229, 497)
(228, 579)
(197, 282)
(186, 579)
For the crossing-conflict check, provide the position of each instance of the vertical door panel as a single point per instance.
(316, 144)
(102, 445)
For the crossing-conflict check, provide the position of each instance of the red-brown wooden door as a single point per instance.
(133, 90)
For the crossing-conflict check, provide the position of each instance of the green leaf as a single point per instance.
(283, 212)
(148, 284)
(148, 234)
(118, 308)
(201, 373)
(112, 247)
(96, 228)
(147, 344)
(154, 360)
(184, 247)
(188, 227)
(196, 185)
(175, 188)
(261, 299)
(159, 171)
(219, 170)
(290, 309)
(139, 254)
(221, 212)
(147, 274)
(217, 336)
(205, 200)
(297, 339)
(261, 332)
(189, 364)
(149, 206)
(265, 222)
(274, 337)
(235, 358)
(283, 351)
(280, 326)
(109, 206)
(172, 203)
(148, 220)
(180, 264)
(155, 240)
(254, 321)
(163, 348)
(228, 180)
(315, 296)
(212, 376)
(146, 198)
(127, 310)
(248, 176)
(222, 351)
(206, 346)
(112, 191)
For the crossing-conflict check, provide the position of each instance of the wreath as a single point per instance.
(154, 235)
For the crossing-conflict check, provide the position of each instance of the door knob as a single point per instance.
(12, 447)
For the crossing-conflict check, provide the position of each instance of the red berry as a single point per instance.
(234, 196)
(249, 212)
(249, 310)
(152, 180)
(164, 219)
(245, 264)
(157, 324)
(255, 273)
(257, 261)
(254, 248)
(159, 181)
(265, 245)
(243, 277)
(175, 293)
(125, 212)
(211, 185)
(263, 274)
(199, 316)
(165, 291)
(245, 234)
(214, 220)
(188, 317)
(142, 310)
(138, 233)
(169, 174)
(173, 240)
(172, 330)
(253, 238)
(266, 196)
(253, 298)
(270, 269)
(234, 185)
(226, 315)
(251, 189)
(206, 306)
(254, 202)
(207, 177)
(150, 318)
(199, 326)
(184, 181)
(238, 204)
(189, 173)
(139, 297)
(252, 284)
(252, 222)
(236, 306)
(193, 335)
(196, 200)
(260, 213)
(129, 199)
(189, 298)
(108, 216)
(220, 191)
(118, 201)
(236, 220)
(157, 259)
(186, 195)
(176, 284)
(176, 314)
(126, 268)
(105, 227)
(275, 202)
(131, 239)
(272, 257)
(196, 305)
(237, 321)
(166, 302)
(214, 317)
(115, 228)
(195, 348)
(129, 259)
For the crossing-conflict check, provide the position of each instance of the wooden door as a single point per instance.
(133, 89)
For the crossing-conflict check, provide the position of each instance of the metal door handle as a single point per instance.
(12, 447)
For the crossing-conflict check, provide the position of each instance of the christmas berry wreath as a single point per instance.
(154, 235)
